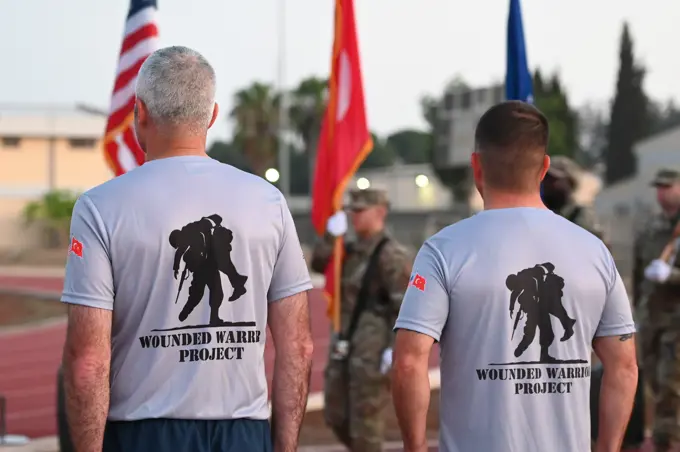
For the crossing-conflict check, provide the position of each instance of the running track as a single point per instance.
(29, 361)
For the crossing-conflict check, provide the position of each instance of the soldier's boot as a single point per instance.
(545, 356)
(239, 284)
(522, 346)
(568, 329)
(196, 290)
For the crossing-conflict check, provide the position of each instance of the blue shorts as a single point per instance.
(178, 435)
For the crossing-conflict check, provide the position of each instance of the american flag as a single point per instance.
(139, 41)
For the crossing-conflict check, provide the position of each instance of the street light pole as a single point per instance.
(283, 148)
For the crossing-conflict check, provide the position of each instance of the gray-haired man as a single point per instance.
(172, 281)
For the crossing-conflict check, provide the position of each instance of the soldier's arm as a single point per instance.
(181, 249)
(322, 253)
(395, 265)
(587, 219)
(638, 269)
(674, 277)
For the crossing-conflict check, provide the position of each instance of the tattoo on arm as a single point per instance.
(625, 337)
(87, 363)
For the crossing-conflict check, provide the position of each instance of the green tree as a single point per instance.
(229, 153)
(629, 120)
(663, 117)
(307, 107)
(300, 173)
(411, 146)
(381, 156)
(256, 118)
(552, 100)
(52, 214)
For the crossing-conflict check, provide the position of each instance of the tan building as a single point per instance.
(43, 149)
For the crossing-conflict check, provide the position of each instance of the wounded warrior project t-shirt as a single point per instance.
(515, 297)
(187, 252)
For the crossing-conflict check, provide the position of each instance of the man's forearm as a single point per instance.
(411, 396)
(86, 385)
(617, 394)
(292, 371)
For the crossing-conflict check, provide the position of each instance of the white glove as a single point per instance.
(386, 363)
(658, 271)
(337, 224)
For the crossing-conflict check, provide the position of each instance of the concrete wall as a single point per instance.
(25, 176)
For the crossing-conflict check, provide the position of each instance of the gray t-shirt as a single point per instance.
(228, 240)
(515, 298)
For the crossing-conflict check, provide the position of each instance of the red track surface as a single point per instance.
(29, 361)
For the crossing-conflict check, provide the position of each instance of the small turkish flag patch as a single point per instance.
(418, 282)
(76, 247)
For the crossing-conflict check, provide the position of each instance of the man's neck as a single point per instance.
(367, 236)
(175, 145)
(671, 214)
(508, 201)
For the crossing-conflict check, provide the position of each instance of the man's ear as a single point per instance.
(142, 113)
(546, 166)
(477, 173)
(216, 111)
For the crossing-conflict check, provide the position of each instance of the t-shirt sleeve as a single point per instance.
(89, 276)
(617, 316)
(290, 275)
(425, 307)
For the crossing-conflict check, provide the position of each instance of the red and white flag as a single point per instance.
(140, 40)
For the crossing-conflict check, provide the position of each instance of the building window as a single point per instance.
(11, 142)
(82, 143)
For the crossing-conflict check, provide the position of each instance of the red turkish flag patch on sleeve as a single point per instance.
(418, 282)
(76, 247)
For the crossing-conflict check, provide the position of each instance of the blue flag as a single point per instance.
(518, 82)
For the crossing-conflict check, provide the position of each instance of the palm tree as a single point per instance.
(256, 116)
(308, 105)
(52, 213)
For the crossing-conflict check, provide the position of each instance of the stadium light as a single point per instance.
(363, 183)
(422, 181)
(272, 175)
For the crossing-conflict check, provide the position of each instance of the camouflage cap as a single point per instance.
(564, 167)
(361, 199)
(666, 176)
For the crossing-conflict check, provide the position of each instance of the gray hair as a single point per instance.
(177, 85)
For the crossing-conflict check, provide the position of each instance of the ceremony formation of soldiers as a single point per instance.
(486, 289)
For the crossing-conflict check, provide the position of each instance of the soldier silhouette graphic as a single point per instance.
(538, 291)
(205, 246)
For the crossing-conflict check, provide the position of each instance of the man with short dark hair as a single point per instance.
(516, 295)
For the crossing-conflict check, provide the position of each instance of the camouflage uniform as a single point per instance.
(356, 392)
(658, 312)
(581, 215)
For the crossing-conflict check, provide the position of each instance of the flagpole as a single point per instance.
(283, 148)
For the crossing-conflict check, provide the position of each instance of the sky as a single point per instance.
(66, 52)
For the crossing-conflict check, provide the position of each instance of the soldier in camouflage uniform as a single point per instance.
(656, 293)
(559, 186)
(357, 387)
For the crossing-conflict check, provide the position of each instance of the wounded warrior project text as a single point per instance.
(203, 338)
(557, 377)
